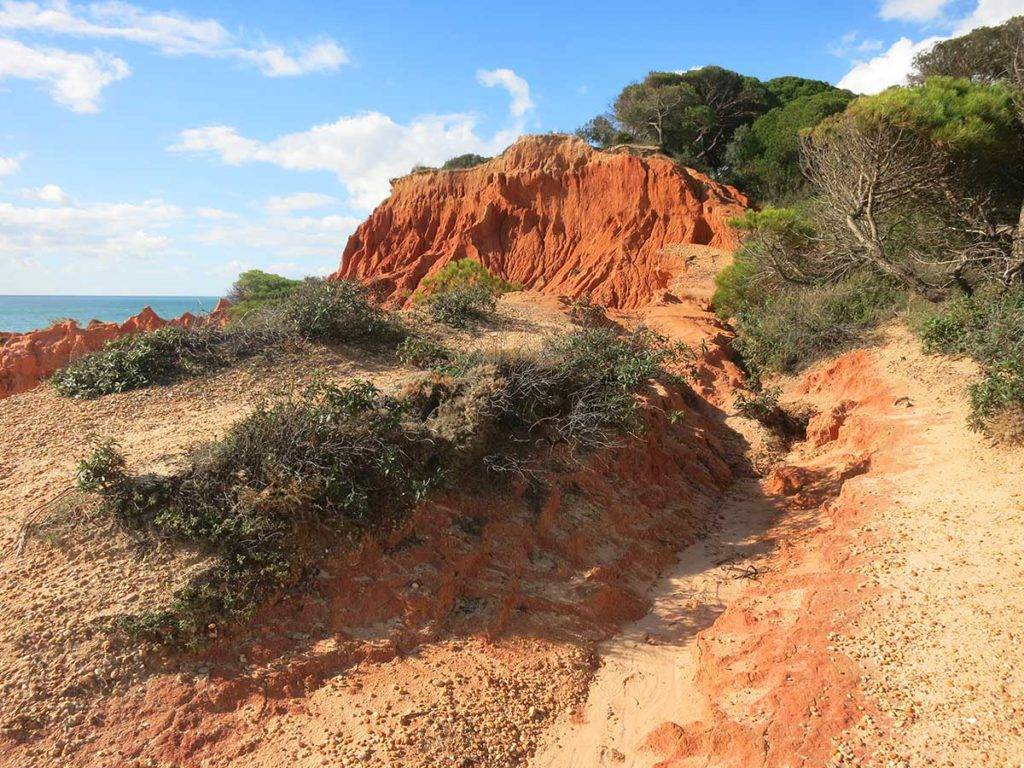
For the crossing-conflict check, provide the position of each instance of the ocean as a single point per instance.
(26, 313)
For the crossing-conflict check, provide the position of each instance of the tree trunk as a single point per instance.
(1015, 271)
(876, 255)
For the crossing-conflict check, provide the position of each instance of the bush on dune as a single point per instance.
(990, 329)
(313, 310)
(292, 477)
(789, 329)
(463, 291)
(255, 289)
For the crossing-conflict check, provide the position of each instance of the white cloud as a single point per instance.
(517, 87)
(9, 165)
(103, 230)
(325, 56)
(48, 193)
(286, 244)
(214, 213)
(298, 201)
(890, 68)
(367, 150)
(169, 33)
(912, 10)
(893, 66)
(989, 13)
(74, 80)
(853, 45)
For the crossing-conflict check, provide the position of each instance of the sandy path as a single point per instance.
(647, 672)
(943, 644)
(923, 557)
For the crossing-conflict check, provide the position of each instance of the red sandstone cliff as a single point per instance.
(550, 213)
(27, 358)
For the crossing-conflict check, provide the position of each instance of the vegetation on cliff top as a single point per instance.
(732, 126)
(915, 193)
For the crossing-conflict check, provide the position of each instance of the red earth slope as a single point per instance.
(550, 213)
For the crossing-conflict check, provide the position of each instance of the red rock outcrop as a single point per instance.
(27, 358)
(550, 213)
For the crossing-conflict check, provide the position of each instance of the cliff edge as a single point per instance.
(550, 213)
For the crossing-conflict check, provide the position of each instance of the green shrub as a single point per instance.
(793, 327)
(575, 390)
(422, 352)
(160, 356)
(266, 497)
(735, 286)
(464, 161)
(998, 400)
(316, 310)
(103, 469)
(130, 362)
(461, 305)
(335, 310)
(990, 329)
(254, 290)
(459, 274)
(462, 291)
(985, 327)
(285, 482)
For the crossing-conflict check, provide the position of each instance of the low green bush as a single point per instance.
(130, 362)
(792, 328)
(315, 310)
(461, 292)
(291, 478)
(423, 352)
(990, 329)
(987, 327)
(468, 160)
(334, 311)
(461, 305)
(460, 273)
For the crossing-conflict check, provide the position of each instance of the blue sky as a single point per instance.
(162, 148)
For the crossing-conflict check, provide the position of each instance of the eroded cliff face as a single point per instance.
(27, 358)
(550, 213)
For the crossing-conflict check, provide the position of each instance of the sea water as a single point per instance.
(26, 313)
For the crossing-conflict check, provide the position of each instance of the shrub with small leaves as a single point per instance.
(460, 306)
(334, 310)
(103, 469)
(290, 479)
(461, 292)
(315, 310)
(791, 328)
(423, 352)
(127, 363)
(990, 329)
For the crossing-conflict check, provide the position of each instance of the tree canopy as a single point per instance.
(690, 115)
(764, 158)
(723, 122)
(257, 285)
(985, 55)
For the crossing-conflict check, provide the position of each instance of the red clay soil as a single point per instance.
(568, 566)
(778, 690)
(28, 358)
(550, 213)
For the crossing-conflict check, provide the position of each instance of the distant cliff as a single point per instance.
(27, 358)
(550, 213)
